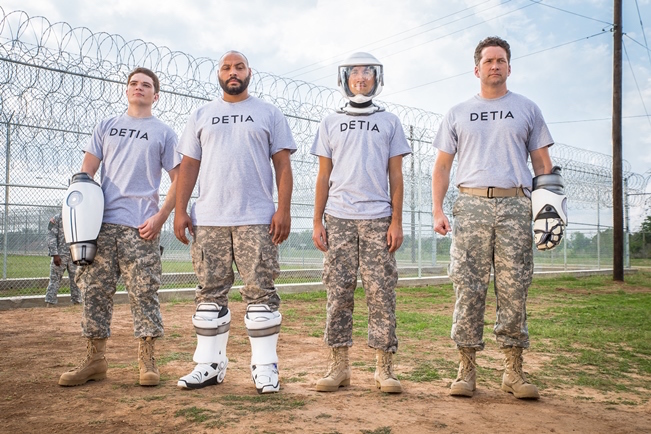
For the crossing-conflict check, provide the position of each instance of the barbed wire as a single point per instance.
(58, 82)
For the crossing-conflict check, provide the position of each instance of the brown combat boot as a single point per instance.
(385, 379)
(149, 375)
(338, 374)
(464, 385)
(514, 381)
(92, 367)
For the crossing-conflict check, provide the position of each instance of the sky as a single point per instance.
(561, 49)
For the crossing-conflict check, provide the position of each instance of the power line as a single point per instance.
(515, 58)
(595, 120)
(635, 80)
(440, 37)
(456, 31)
(561, 45)
(540, 2)
(637, 42)
(392, 36)
(533, 2)
(427, 42)
(646, 45)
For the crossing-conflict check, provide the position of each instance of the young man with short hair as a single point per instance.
(133, 149)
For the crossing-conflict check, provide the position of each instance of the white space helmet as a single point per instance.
(360, 63)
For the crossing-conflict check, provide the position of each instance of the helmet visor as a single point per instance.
(363, 80)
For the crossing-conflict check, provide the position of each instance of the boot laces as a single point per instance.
(336, 360)
(517, 364)
(147, 354)
(90, 350)
(467, 364)
(386, 369)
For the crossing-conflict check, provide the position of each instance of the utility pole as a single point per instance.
(618, 208)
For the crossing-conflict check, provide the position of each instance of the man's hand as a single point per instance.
(394, 237)
(151, 227)
(441, 224)
(281, 223)
(319, 237)
(182, 221)
(57, 260)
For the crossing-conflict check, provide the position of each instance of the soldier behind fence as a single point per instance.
(229, 145)
(59, 250)
(133, 149)
(493, 134)
(360, 148)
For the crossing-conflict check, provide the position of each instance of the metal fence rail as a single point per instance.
(58, 82)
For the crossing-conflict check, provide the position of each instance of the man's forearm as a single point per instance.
(397, 198)
(170, 201)
(285, 184)
(187, 178)
(439, 189)
(320, 197)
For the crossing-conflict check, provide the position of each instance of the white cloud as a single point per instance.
(569, 83)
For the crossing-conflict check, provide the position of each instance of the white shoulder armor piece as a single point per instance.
(82, 213)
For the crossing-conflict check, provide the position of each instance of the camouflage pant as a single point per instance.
(256, 257)
(353, 245)
(56, 274)
(121, 252)
(491, 232)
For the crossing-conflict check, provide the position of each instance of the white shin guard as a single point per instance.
(211, 323)
(263, 327)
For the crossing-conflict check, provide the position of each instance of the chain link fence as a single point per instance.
(58, 82)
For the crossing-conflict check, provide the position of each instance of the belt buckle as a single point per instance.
(489, 192)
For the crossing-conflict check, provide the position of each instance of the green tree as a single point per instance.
(646, 225)
(579, 242)
(640, 242)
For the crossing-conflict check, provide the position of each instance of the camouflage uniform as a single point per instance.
(497, 232)
(216, 247)
(57, 246)
(353, 245)
(122, 252)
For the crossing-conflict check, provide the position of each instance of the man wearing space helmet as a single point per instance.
(133, 149)
(494, 134)
(359, 194)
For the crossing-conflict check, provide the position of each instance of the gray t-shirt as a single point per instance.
(360, 148)
(493, 139)
(133, 152)
(235, 142)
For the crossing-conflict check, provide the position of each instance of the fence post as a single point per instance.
(627, 250)
(565, 253)
(6, 222)
(434, 247)
(598, 234)
(420, 219)
(412, 195)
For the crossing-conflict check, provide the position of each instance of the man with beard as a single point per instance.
(227, 145)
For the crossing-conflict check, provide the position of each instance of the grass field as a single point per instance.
(596, 333)
(27, 266)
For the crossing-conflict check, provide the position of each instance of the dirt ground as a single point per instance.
(37, 345)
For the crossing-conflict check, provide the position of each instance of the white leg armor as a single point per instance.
(211, 323)
(263, 327)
